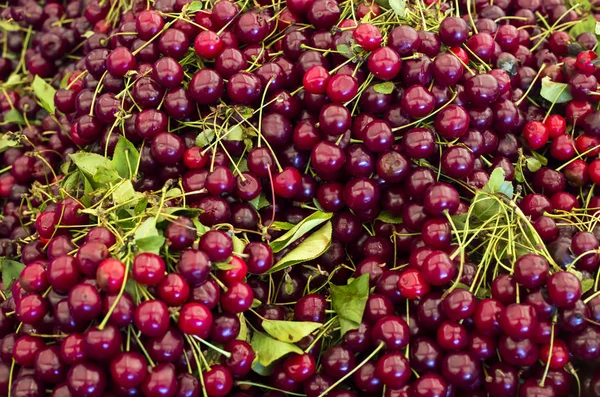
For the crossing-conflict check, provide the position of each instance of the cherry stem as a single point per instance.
(363, 362)
(248, 383)
(215, 348)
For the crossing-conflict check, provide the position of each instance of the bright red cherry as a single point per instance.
(367, 36)
(208, 44)
(384, 63)
(556, 125)
(412, 285)
(558, 356)
(316, 79)
(585, 62)
(536, 134)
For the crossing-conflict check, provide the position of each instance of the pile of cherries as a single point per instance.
(249, 117)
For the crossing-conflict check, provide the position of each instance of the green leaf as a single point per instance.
(235, 133)
(238, 245)
(14, 116)
(125, 193)
(194, 6)
(243, 333)
(587, 285)
(259, 202)
(105, 175)
(261, 369)
(497, 184)
(541, 158)
(386, 217)
(459, 220)
(585, 25)
(347, 325)
(555, 92)
(384, 88)
(8, 141)
(205, 137)
(44, 93)
(147, 237)
(65, 80)
(399, 7)
(290, 331)
(90, 163)
(533, 164)
(482, 293)
(462, 286)
(269, 350)
(9, 26)
(88, 34)
(345, 50)
(349, 301)
(150, 244)
(200, 228)
(282, 225)
(70, 182)
(11, 270)
(141, 205)
(125, 158)
(299, 230)
(485, 206)
(256, 303)
(224, 266)
(584, 5)
(313, 247)
(88, 191)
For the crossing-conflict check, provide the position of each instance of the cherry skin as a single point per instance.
(367, 36)
(564, 289)
(412, 285)
(148, 269)
(558, 354)
(384, 63)
(195, 319)
(128, 369)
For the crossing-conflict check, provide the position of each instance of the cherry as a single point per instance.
(217, 381)
(148, 24)
(48, 365)
(242, 356)
(412, 284)
(34, 278)
(459, 304)
(391, 330)
(393, 369)
(31, 309)
(452, 336)
(486, 316)
(102, 345)
(438, 269)
(564, 289)
(299, 367)
(430, 385)
(287, 183)
(152, 318)
(195, 319)
(334, 119)
(461, 369)
(110, 275)
(502, 380)
(84, 302)
(206, 86)
(453, 31)
(161, 380)
(148, 269)
(367, 36)
(120, 61)
(531, 271)
(558, 354)
(180, 233)
(518, 321)
(337, 361)
(128, 369)
(384, 63)
(208, 44)
(341, 88)
(86, 379)
(217, 245)
(238, 298)
(25, 350)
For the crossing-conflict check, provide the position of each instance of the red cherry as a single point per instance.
(556, 125)
(460, 54)
(384, 63)
(559, 356)
(316, 79)
(236, 272)
(367, 36)
(536, 134)
(584, 62)
(208, 44)
(412, 285)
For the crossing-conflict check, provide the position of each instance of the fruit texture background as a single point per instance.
(299, 198)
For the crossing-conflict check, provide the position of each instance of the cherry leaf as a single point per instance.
(299, 230)
(14, 116)
(587, 285)
(269, 349)
(205, 137)
(399, 7)
(90, 163)
(11, 270)
(238, 245)
(585, 25)
(555, 92)
(386, 217)
(347, 325)
(384, 88)
(282, 225)
(533, 164)
(349, 301)
(125, 158)
(243, 333)
(289, 331)
(147, 237)
(194, 6)
(313, 247)
(44, 93)
(8, 141)
(259, 202)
